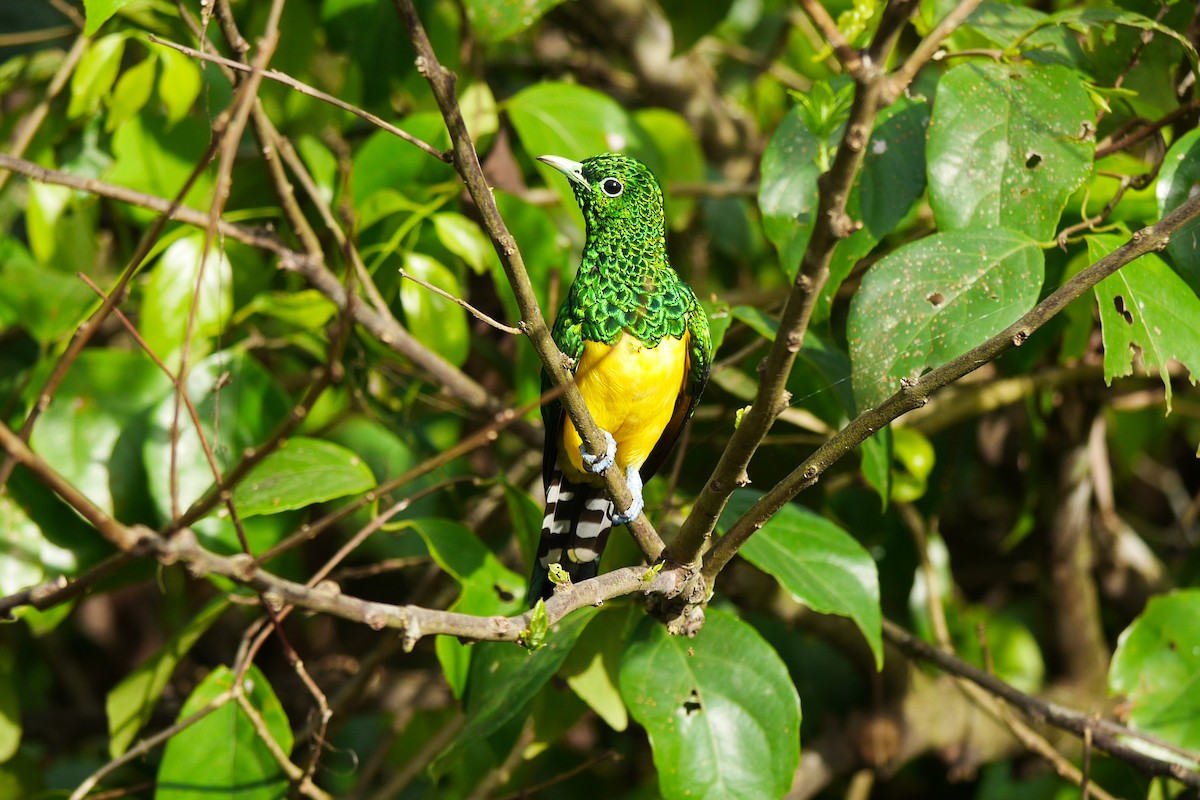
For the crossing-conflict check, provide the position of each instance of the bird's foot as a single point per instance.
(598, 464)
(634, 480)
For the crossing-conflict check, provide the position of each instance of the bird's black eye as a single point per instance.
(612, 187)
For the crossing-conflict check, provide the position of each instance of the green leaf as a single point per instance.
(690, 20)
(932, 300)
(1008, 143)
(97, 12)
(504, 679)
(387, 163)
(1177, 181)
(914, 460)
(26, 556)
(593, 668)
(1082, 19)
(680, 157)
(563, 119)
(131, 702)
(306, 309)
(239, 404)
(46, 303)
(94, 75)
(494, 20)
(818, 563)
(787, 193)
(300, 473)
(877, 463)
(1157, 667)
(487, 587)
(10, 704)
(1008, 26)
(436, 321)
(98, 402)
(222, 754)
(463, 237)
(169, 294)
(720, 709)
(132, 91)
(891, 180)
(150, 158)
(179, 84)
(1146, 305)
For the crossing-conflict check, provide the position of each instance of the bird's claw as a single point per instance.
(633, 479)
(598, 464)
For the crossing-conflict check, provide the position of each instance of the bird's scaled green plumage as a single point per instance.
(639, 342)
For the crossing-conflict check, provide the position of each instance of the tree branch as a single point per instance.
(915, 393)
(831, 225)
(533, 323)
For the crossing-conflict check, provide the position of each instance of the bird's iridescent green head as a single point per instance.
(616, 193)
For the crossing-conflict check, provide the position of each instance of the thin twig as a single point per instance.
(304, 88)
(475, 312)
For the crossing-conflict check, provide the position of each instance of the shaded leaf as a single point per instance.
(720, 709)
(46, 303)
(593, 668)
(487, 587)
(131, 702)
(818, 563)
(1178, 181)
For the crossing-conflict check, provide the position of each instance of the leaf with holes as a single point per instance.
(932, 300)
(1007, 145)
(1147, 306)
(494, 20)
(818, 563)
(720, 709)
(1157, 667)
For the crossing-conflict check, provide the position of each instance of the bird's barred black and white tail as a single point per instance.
(574, 532)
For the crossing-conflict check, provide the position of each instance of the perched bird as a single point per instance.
(639, 343)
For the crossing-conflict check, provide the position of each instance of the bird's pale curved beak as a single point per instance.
(572, 169)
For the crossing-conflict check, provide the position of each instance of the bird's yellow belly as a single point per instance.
(630, 393)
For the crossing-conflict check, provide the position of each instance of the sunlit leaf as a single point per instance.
(1146, 306)
(720, 709)
(934, 299)
(1008, 143)
(817, 562)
